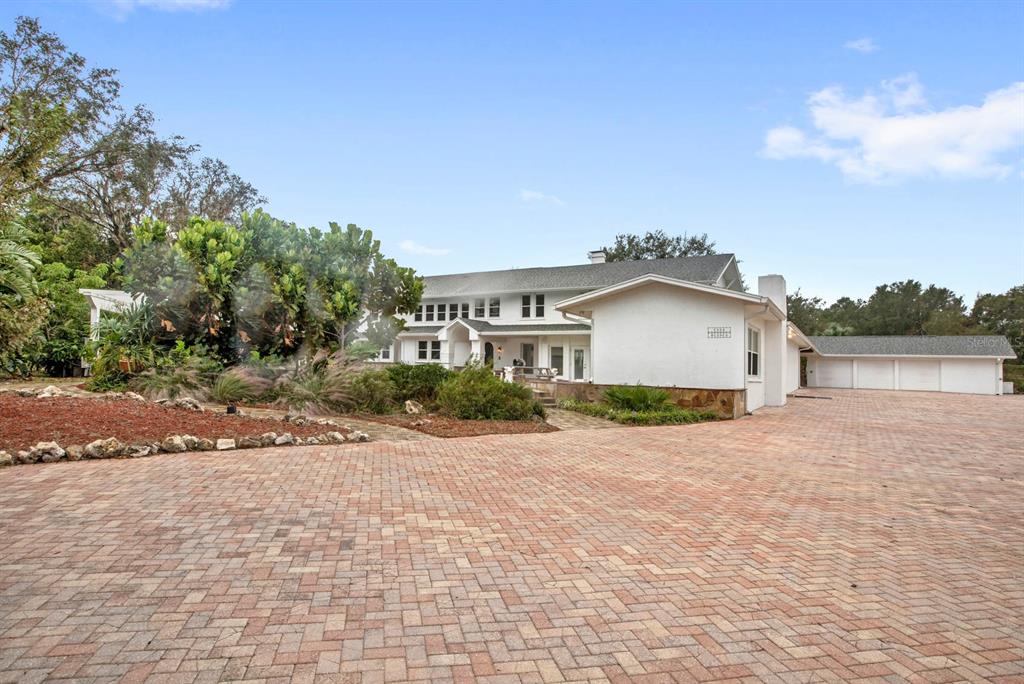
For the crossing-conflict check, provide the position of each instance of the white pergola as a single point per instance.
(107, 300)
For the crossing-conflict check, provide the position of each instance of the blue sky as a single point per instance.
(842, 145)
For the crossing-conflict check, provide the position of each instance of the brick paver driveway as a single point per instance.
(867, 536)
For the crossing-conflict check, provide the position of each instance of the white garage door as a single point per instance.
(875, 374)
(834, 373)
(919, 375)
(973, 376)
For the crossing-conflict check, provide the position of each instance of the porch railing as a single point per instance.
(521, 373)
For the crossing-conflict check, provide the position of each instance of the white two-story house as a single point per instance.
(677, 323)
(680, 322)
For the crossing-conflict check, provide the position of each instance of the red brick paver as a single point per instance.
(874, 535)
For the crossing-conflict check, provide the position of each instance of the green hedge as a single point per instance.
(670, 415)
(474, 393)
(417, 382)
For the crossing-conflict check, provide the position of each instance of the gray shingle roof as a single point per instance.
(917, 345)
(701, 269)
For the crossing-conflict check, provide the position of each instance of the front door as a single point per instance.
(579, 363)
(527, 349)
(488, 353)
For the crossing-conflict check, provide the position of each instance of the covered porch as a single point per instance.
(553, 352)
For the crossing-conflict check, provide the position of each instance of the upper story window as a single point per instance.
(532, 306)
(538, 306)
(385, 354)
(753, 352)
(453, 312)
(526, 306)
(478, 308)
(465, 309)
(494, 309)
(418, 315)
(428, 312)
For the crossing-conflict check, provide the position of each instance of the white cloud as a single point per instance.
(412, 247)
(893, 135)
(534, 197)
(863, 45)
(122, 8)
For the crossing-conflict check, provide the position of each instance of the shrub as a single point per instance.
(417, 382)
(180, 373)
(474, 393)
(669, 415)
(373, 391)
(636, 398)
(316, 387)
(239, 384)
(127, 336)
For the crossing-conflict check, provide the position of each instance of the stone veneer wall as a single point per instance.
(726, 403)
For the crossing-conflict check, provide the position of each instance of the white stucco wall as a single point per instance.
(792, 366)
(947, 374)
(657, 335)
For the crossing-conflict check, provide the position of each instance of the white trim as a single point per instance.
(907, 356)
(649, 278)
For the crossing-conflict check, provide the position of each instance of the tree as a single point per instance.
(357, 288)
(658, 245)
(1002, 314)
(807, 313)
(54, 109)
(17, 263)
(209, 189)
(903, 308)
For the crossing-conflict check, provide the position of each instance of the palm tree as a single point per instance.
(16, 262)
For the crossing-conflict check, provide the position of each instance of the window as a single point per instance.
(428, 349)
(557, 359)
(465, 309)
(385, 354)
(478, 308)
(526, 306)
(429, 316)
(753, 352)
(453, 312)
(494, 310)
(538, 305)
(418, 316)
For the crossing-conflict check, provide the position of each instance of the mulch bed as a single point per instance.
(442, 426)
(25, 421)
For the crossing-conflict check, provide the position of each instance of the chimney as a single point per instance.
(774, 288)
(597, 256)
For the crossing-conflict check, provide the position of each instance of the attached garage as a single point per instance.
(971, 364)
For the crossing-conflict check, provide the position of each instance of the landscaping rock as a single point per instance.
(286, 438)
(333, 437)
(413, 407)
(188, 403)
(312, 440)
(358, 437)
(104, 448)
(6, 459)
(75, 452)
(50, 391)
(191, 443)
(47, 452)
(23, 457)
(206, 445)
(26, 392)
(134, 396)
(299, 441)
(268, 438)
(174, 444)
(225, 444)
(138, 451)
(249, 443)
